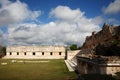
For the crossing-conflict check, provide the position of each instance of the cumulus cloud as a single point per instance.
(15, 12)
(98, 20)
(71, 27)
(112, 8)
(65, 13)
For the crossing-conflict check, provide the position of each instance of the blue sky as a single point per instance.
(54, 22)
(92, 8)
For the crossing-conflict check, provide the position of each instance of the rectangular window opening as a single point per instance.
(33, 53)
(17, 53)
(24, 53)
(60, 53)
(51, 53)
(10, 53)
(42, 53)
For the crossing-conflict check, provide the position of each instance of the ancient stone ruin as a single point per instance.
(101, 52)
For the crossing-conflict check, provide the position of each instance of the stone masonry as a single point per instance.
(36, 52)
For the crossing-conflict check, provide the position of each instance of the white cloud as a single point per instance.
(98, 20)
(15, 12)
(112, 8)
(64, 31)
(4, 2)
(65, 13)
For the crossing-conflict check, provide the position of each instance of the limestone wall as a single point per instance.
(85, 66)
(36, 52)
(72, 54)
(110, 69)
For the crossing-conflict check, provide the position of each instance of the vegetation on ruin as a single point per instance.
(52, 70)
(113, 49)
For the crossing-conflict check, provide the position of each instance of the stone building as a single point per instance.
(93, 57)
(36, 52)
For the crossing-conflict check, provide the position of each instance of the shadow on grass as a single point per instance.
(97, 77)
(117, 76)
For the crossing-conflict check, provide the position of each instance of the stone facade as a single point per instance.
(36, 52)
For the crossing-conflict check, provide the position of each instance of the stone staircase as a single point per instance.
(71, 62)
(71, 65)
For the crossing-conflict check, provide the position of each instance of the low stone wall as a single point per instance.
(86, 66)
(72, 54)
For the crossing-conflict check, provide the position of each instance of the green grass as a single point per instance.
(53, 70)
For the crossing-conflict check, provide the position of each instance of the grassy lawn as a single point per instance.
(52, 70)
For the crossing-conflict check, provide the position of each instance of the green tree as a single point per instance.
(2, 51)
(73, 47)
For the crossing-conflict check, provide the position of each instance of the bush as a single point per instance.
(2, 51)
(73, 47)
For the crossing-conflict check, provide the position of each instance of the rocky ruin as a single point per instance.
(101, 51)
(105, 42)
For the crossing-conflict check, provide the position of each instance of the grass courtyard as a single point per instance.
(51, 70)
